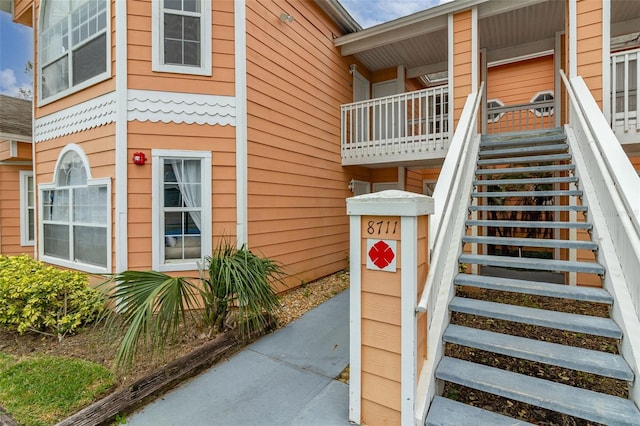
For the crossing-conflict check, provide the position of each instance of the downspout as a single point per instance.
(240, 36)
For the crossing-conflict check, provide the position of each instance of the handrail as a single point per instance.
(453, 189)
(615, 226)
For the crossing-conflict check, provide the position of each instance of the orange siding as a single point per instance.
(10, 211)
(461, 61)
(139, 36)
(145, 136)
(413, 182)
(518, 83)
(589, 45)
(296, 81)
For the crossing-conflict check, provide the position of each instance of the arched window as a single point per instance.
(543, 111)
(74, 40)
(75, 216)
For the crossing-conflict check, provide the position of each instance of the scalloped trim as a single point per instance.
(170, 107)
(142, 105)
(87, 115)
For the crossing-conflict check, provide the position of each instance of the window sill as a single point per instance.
(84, 267)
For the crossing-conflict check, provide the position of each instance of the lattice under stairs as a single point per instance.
(524, 338)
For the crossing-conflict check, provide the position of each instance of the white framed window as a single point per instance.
(74, 45)
(181, 33)
(543, 97)
(181, 211)
(75, 212)
(27, 209)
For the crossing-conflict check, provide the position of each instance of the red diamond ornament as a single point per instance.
(381, 254)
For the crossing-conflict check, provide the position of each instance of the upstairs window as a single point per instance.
(543, 111)
(182, 36)
(74, 40)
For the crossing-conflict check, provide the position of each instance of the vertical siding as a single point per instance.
(147, 136)
(10, 211)
(461, 61)
(139, 65)
(589, 45)
(296, 81)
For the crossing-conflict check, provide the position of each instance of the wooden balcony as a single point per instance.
(408, 128)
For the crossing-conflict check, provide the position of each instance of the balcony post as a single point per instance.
(388, 339)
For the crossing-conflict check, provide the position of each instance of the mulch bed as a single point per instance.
(562, 375)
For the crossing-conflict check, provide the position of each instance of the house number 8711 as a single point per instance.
(382, 227)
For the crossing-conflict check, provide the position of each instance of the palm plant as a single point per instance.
(234, 287)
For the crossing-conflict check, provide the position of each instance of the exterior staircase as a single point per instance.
(525, 209)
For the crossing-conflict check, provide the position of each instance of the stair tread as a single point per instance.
(566, 399)
(528, 224)
(527, 208)
(484, 152)
(533, 263)
(590, 361)
(539, 288)
(605, 327)
(527, 169)
(446, 412)
(527, 136)
(533, 194)
(530, 242)
(525, 181)
(525, 159)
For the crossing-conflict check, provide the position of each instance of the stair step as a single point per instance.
(446, 412)
(528, 224)
(525, 181)
(538, 288)
(558, 397)
(532, 194)
(530, 242)
(533, 263)
(525, 137)
(559, 320)
(523, 150)
(527, 169)
(580, 359)
(526, 208)
(527, 159)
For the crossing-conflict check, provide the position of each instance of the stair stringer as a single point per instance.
(614, 281)
(446, 252)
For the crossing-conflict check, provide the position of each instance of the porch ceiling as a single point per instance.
(506, 27)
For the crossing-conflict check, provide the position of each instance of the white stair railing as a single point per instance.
(451, 194)
(610, 187)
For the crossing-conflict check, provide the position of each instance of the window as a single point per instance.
(493, 117)
(182, 209)
(74, 40)
(543, 111)
(75, 215)
(182, 36)
(27, 209)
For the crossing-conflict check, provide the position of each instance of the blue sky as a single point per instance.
(16, 41)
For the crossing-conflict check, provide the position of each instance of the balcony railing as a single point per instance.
(517, 118)
(625, 75)
(404, 127)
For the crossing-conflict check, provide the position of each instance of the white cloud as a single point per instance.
(372, 12)
(9, 84)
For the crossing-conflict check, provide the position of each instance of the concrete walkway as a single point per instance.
(285, 378)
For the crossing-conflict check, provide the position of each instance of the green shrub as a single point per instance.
(39, 298)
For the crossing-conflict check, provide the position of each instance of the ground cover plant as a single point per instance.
(98, 345)
(42, 390)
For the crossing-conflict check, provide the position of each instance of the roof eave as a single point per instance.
(340, 15)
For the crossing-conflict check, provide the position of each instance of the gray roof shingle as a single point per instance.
(15, 116)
